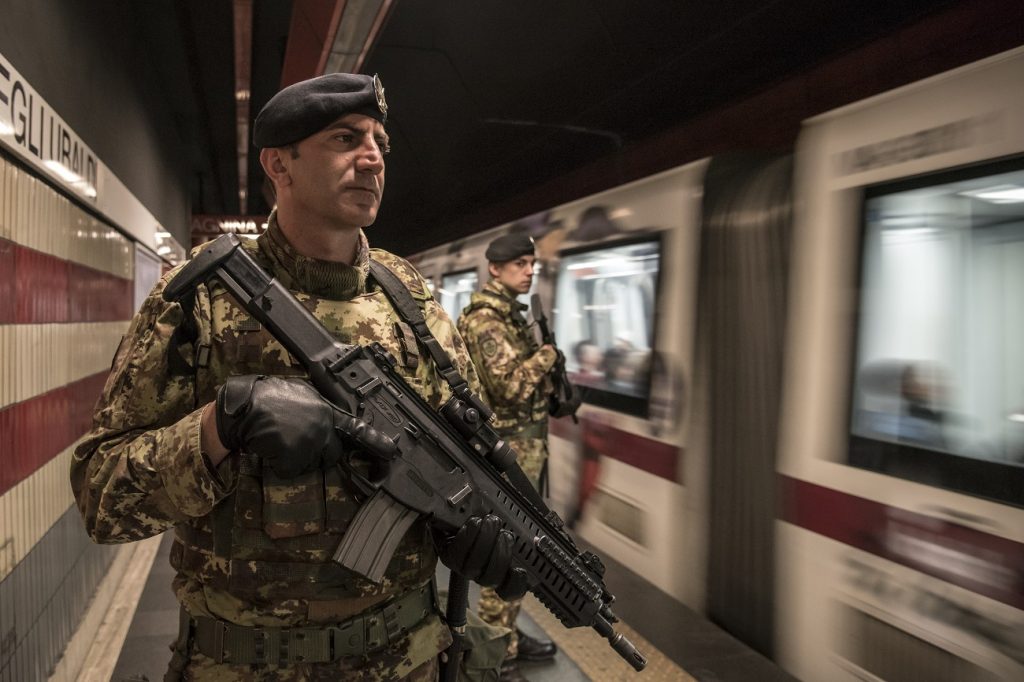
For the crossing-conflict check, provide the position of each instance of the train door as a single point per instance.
(746, 218)
(900, 540)
(623, 300)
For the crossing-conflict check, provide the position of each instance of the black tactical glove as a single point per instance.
(288, 424)
(559, 406)
(482, 551)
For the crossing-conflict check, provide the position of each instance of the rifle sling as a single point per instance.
(412, 314)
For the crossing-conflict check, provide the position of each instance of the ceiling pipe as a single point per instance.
(243, 78)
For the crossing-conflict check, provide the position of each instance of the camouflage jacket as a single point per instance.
(512, 366)
(251, 549)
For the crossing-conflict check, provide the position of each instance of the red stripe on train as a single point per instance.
(36, 430)
(37, 288)
(599, 438)
(972, 559)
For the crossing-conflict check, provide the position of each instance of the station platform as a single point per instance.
(680, 645)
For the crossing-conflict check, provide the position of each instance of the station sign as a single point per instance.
(33, 131)
(206, 227)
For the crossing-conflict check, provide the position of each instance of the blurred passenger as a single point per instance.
(922, 420)
(515, 372)
(589, 359)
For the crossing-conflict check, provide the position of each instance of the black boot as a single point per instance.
(532, 649)
(510, 672)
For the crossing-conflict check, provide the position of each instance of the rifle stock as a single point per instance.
(448, 465)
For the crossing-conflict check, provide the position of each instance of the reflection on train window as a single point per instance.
(939, 373)
(604, 321)
(456, 288)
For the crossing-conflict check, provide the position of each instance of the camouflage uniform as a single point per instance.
(251, 549)
(514, 371)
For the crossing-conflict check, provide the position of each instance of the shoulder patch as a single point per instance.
(489, 347)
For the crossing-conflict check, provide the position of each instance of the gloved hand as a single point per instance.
(288, 424)
(562, 407)
(482, 551)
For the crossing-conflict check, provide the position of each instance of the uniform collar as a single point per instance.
(497, 296)
(326, 279)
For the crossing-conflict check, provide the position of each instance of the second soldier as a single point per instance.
(514, 371)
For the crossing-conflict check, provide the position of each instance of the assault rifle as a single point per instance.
(447, 466)
(566, 398)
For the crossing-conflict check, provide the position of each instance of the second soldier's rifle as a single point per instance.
(447, 465)
(565, 400)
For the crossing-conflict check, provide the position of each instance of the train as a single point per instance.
(803, 389)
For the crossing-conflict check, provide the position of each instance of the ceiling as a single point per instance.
(496, 107)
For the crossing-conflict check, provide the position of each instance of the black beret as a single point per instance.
(509, 247)
(309, 106)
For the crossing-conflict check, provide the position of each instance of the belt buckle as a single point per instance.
(389, 614)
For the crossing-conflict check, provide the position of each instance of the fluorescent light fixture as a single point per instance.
(998, 194)
(63, 171)
(163, 250)
(5, 129)
(162, 234)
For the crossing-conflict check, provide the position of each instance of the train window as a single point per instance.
(456, 288)
(604, 319)
(938, 382)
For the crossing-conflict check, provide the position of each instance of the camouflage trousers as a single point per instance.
(204, 669)
(413, 659)
(532, 453)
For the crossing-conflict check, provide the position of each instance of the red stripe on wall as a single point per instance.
(96, 296)
(598, 438)
(983, 563)
(37, 288)
(36, 430)
(7, 287)
(41, 282)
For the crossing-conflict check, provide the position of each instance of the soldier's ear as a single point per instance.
(492, 268)
(275, 164)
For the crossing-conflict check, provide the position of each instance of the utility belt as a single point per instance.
(531, 430)
(371, 631)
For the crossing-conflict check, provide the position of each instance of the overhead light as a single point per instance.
(65, 174)
(999, 194)
(6, 129)
(163, 250)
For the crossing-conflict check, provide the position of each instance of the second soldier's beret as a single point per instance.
(509, 247)
(309, 106)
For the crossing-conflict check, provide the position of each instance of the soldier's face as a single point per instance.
(338, 173)
(516, 275)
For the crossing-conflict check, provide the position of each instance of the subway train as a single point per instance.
(803, 381)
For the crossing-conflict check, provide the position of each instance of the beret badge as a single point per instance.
(378, 89)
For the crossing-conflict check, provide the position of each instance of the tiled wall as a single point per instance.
(66, 289)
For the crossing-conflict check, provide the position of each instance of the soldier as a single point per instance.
(514, 370)
(207, 426)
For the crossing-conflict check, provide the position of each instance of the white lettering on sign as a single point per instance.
(920, 144)
(30, 127)
(220, 224)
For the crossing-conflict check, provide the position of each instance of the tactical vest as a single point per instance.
(528, 419)
(272, 539)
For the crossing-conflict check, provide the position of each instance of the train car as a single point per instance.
(804, 405)
(901, 465)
